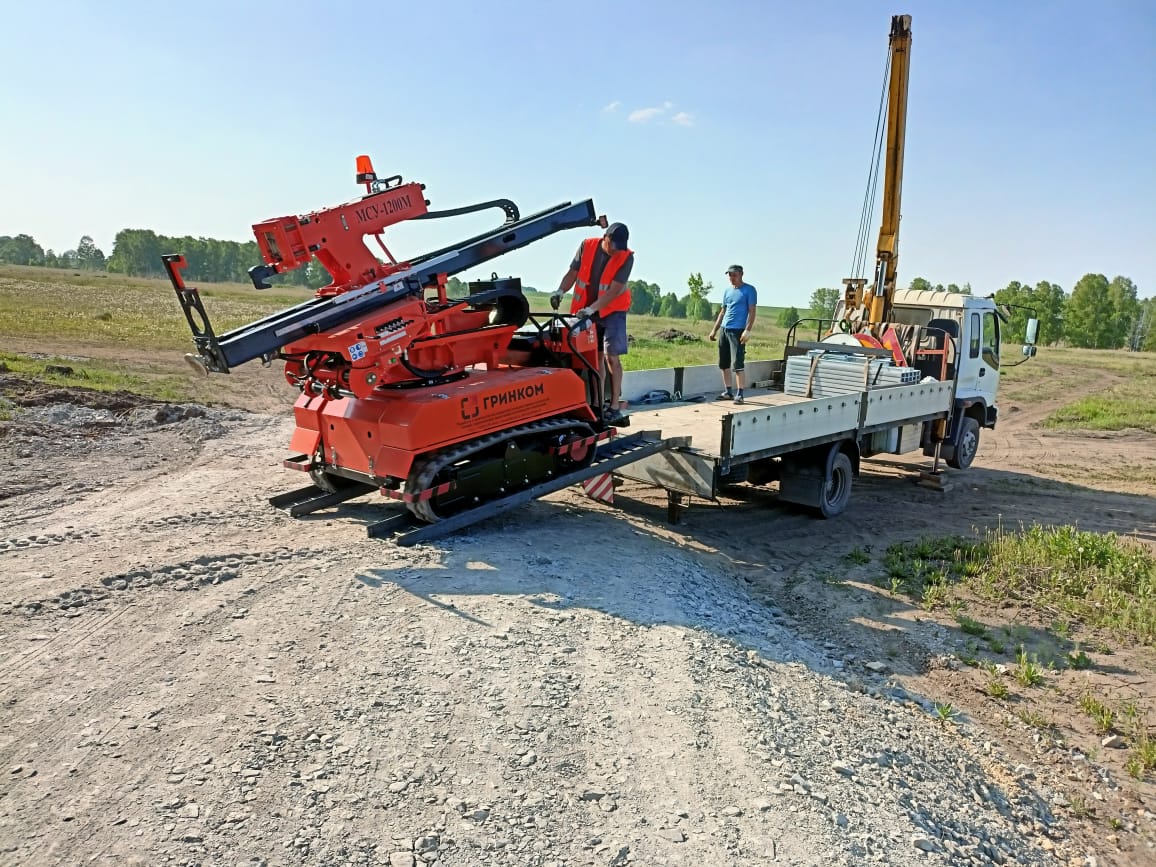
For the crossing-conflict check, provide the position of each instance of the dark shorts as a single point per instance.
(729, 347)
(612, 332)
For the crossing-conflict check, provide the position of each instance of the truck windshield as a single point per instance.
(911, 315)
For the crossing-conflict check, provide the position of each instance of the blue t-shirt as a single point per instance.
(738, 301)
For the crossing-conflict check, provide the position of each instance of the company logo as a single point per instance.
(471, 407)
(513, 395)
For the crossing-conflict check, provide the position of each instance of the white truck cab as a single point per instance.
(971, 339)
(976, 334)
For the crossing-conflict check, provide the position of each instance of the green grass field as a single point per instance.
(155, 381)
(60, 307)
(63, 306)
(1123, 386)
(59, 313)
(648, 350)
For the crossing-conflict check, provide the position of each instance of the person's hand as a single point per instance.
(584, 313)
(743, 337)
(713, 334)
(556, 298)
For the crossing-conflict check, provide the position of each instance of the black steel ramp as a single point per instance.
(303, 501)
(618, 452)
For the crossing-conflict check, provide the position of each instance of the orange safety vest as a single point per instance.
(586, 268)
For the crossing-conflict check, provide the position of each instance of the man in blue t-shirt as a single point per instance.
(736, 318)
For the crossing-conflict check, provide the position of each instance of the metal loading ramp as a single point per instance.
(405, 530)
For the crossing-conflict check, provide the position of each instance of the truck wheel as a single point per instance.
(966, 444)
(836, 487)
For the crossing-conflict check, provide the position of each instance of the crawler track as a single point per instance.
(424, 472)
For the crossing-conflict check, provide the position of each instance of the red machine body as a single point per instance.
(382, 435)
(424, 391)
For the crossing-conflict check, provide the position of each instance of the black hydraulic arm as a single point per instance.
(263, 338)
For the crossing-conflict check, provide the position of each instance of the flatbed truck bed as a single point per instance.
(775, 436)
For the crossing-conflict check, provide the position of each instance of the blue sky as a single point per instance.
(736, 133)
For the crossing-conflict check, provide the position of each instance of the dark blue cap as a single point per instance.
(619, 234)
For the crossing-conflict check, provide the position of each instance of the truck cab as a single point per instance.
(973, 324)
(967, 329)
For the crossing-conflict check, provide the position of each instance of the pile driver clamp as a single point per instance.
(443, 403)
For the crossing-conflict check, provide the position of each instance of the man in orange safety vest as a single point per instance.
(598, 275)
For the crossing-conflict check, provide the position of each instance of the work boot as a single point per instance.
(616, 418)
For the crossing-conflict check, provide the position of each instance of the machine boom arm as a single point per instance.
(336, 237)
(263, 338)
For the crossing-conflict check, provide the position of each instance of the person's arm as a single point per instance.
(722, 310)
(751, 310)
(568, 281)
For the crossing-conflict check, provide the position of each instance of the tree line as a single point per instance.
(649, 299)
(1098, 313)
(23, 250)
(137, 253)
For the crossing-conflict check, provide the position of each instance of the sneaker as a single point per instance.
(738, 398)
(726, 395)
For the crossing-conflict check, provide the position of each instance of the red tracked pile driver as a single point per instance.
(442, 402)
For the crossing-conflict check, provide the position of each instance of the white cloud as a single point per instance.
(613, 106)
(642, 115)
(645, 115)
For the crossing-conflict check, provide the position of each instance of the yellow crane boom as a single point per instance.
(876, 306)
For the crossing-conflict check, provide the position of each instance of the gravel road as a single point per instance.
(189, 677)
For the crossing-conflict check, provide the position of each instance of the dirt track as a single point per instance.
(190, 677)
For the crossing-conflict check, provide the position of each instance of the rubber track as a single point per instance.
(424, 472)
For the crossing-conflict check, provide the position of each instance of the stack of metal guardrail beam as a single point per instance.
(822, 373)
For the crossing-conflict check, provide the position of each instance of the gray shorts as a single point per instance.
(729, 346)
(612, 332)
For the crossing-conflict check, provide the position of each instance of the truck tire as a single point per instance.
(836, 491)
(966, 444)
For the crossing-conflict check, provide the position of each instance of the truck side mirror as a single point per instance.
(1033, 332)
(1029, 351)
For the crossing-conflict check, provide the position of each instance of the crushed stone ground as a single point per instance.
(190, 677)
